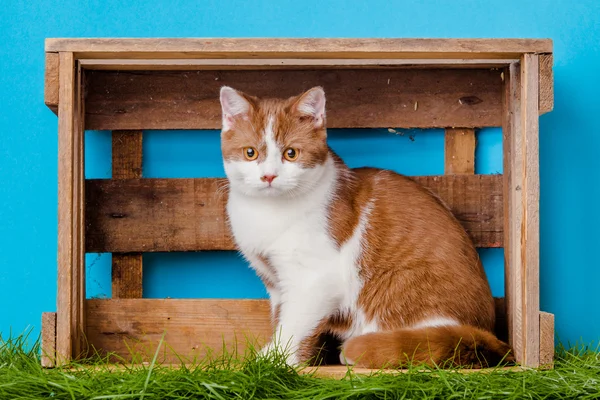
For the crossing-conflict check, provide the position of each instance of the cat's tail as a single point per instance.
(443, 346)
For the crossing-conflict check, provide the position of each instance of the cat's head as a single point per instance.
(273, 147)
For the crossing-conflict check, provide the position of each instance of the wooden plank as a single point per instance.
(190, 326)
(48, 339)
(78, 204)
(459, 151)
(546, 99)
(530, 203)
(69, 148)
(286, 63)
(299, 48)
(127, 326)
(342, 371)
(127, 269)
(127, 154)
(51, 82)
(521, 169)
(546, 339)
(510, 126)
(127, 276)
(513, 215)
(356, 98)
(147, 215)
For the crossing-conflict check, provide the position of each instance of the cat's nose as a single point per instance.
(268, 178)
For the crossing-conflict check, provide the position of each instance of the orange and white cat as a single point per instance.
(365, 255)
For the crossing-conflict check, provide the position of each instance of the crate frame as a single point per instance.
(525, 68)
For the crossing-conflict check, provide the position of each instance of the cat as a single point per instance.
(365, 255)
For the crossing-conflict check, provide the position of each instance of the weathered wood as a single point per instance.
(511, 122)
(342, 371)
(299, 48)
(126, 154)
(189, 214)
(530, 203)
(546, 339)
(546, 87)
(71, 280)
(190, 326)
(127, 326)
(79, 293)
(48, 339)
(285, 63)
(127, 269)
(521, 173)
(51, 86)
(356, 98)
(459, 151)
(127, 273)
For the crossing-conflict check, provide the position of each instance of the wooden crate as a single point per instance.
(131, 85)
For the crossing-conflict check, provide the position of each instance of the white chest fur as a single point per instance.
(311, 275)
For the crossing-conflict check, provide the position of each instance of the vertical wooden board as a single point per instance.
(48, 339)
(66, 175)
(546, 100)
(78, 299)
(530, 198)
(127, 269)
(127, 154)
(127, 276)
(459, 151)
(51, 81)
(546, 339)
(512, 206)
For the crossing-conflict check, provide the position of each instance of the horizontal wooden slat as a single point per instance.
(136, 326)
(286, 63)
(131, 327)
(300, 48)
(356, 98)
(149, 215)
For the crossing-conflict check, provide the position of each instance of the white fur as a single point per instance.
(434, 322)
(287, 222)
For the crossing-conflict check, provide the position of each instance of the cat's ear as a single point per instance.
(312, 104)
(233, 104)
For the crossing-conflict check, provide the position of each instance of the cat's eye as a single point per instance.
(291, 154)
(250, 153)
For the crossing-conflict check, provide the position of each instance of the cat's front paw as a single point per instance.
(272, 350)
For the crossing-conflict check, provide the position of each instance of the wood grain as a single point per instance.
(512, 205)
(136, 326)
(120, 64)
(299, 48)
(521, 171)
(66, 315)
(546, 340)
(146, 215)
(51, 87)
(48, 339)
(78, 205)
(126, 154)
(530, 200)
(356, 98)
(546, 79)
(127, 269)
(459, 152)
(133, 328)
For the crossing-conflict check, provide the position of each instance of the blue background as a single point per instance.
(569, 144)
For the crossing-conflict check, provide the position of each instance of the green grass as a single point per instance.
(576, 376)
